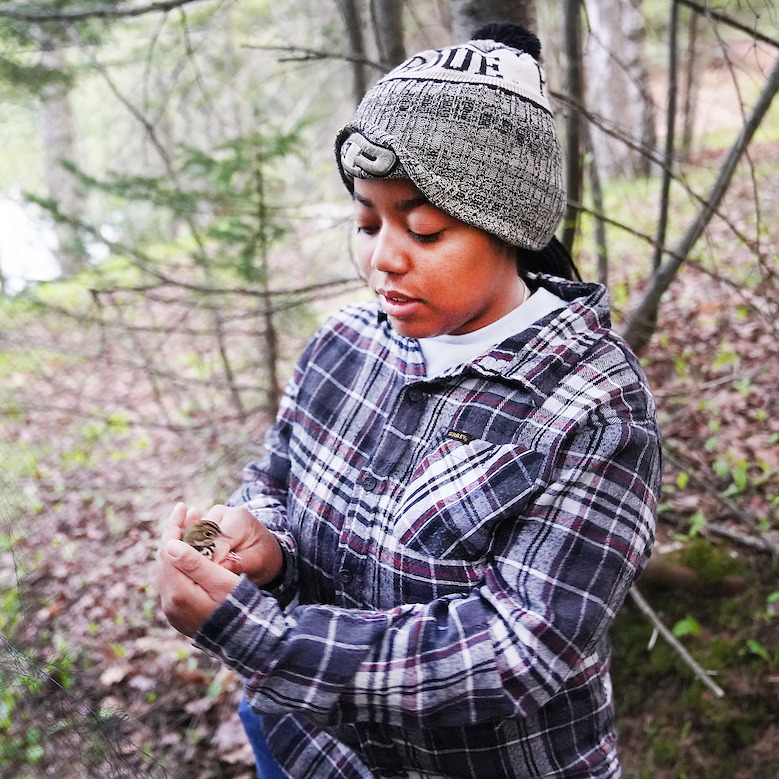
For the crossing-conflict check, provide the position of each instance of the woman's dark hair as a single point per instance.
(553, 259)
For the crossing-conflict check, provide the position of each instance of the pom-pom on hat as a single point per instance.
(472, 127)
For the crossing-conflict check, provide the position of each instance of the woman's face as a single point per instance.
(434, 274)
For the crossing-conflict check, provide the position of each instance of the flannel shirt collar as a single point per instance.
(539, 356)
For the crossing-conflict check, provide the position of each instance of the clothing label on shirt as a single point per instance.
(459, 435)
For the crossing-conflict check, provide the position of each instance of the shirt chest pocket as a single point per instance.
(459, 494)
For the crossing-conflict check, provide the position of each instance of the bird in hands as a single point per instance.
(203, 535)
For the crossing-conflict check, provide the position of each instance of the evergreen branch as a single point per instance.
(105, 12)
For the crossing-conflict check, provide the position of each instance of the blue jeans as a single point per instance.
(267, 767)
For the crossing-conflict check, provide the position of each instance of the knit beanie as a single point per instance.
(471, 126)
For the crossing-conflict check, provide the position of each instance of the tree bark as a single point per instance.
(601, 243)
(59, 144)
(617, 84)
(690, 87)
(351, 16)
(387, 18)
(670, 135)
(469, 15)
(573, 120)
(641, 323)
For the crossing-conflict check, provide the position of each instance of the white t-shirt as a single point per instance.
(446, 351)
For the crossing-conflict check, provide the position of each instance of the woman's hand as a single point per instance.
(255, 550)
(191, 585)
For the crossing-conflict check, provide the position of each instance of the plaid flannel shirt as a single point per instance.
(456, 548)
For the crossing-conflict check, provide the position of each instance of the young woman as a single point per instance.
(460, 486)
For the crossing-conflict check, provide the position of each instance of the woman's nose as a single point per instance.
(389, 252)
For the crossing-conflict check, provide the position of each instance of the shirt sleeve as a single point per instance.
(558, 572)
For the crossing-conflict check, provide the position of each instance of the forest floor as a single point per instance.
(122, 690)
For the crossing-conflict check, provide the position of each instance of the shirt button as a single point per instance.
(415, 395)
(369, 483)
(345, 575)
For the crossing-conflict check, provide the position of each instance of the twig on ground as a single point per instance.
(718, 529)
(688, 659)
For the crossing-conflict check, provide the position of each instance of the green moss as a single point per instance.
(727, 728)
(720, 654)
(665, 750)
(685, 730)
(710, 563)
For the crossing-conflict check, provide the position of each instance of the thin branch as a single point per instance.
(736, 287)
(675, 644)
(729, 20)
(191, 58)
(639, 330)
(752, 168)
(47, 409)
(311, 290)
(652, 155)
(606, 219)
(302, 54)
(684, 391)
(745, 516)
(134, 111)
(79, 15)
(691, 85)
(147, 265)
(717, 529)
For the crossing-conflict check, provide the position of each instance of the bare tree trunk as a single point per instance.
(601, 244)
(618, 84)
(468, 15)
(351, 16)
(387, 18)
(573, 123)
(690, 87)
(59, 144)
(641, 324)
(670, 136)
(638, 75)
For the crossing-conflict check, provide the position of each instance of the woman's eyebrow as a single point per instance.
(404, 206)
(413, 202)
(362, 200)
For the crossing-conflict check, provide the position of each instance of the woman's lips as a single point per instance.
(397, 304)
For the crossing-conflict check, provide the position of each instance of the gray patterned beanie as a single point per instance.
(472, 127)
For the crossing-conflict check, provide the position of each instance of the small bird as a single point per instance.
(202, 535)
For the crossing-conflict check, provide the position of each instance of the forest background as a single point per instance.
(172, 229)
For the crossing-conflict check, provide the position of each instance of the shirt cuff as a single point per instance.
(243, 630)
(284, 587)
